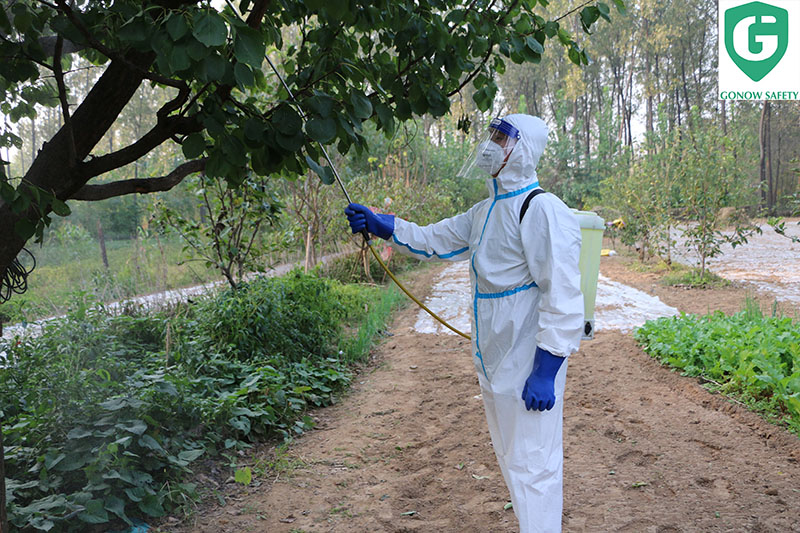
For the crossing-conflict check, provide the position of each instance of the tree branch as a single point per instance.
(162, 131)
(111, 54)
(62, 98)
(92, 193)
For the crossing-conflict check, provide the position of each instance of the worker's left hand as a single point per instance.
(539, 391)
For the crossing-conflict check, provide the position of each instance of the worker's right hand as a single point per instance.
(362, 218)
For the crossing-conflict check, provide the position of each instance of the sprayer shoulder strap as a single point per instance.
(527, 201)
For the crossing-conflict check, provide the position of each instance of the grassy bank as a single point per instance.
(135, 266)
(105, 415)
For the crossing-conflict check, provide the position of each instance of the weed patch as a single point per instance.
(104, 415)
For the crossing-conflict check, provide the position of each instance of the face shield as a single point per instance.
(491, 153)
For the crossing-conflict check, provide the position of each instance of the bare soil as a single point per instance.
(646, 450)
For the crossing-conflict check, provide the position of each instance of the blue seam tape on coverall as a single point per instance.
(426, 254)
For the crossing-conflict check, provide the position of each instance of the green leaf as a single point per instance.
(213, 68)
(78, 433)
(589, 16)
(362, 107)
(52, 458)
(534, 45)
(385, 117)
(94, 513)
(137, 427)
(324, 173)
(244, 76)
(322, 104)
(286, 120)
(321, 129)
(244, 475)
(290, 143)
(179, 58)
(151, 505)
(117, 506)
(151, 444)
(177, 26)
(621, 6)
(73, 461)
(210, 29)
(248, 46)
(190, 455)
(193, 145)
(574, 55)
(60, 208)
(24, 229)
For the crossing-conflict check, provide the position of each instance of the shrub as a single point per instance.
(103, 416)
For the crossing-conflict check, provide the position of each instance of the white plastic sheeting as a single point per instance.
(618, 306)
(768, 262)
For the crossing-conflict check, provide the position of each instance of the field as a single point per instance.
(646, 449)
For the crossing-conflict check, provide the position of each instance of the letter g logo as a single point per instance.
(756, 36)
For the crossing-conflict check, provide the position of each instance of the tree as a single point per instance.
(349, 61)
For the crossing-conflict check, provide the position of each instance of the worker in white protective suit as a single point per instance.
(527, 306)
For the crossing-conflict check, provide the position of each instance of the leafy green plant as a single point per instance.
(748, 355)
(104, 416)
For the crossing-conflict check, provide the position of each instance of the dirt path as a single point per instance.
(646, 450)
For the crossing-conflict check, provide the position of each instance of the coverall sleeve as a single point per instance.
(551, 240)
(446, 240)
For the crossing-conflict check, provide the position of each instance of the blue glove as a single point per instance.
(539, 391)
(362, 218)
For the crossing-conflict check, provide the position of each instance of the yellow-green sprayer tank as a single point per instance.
(591, 242)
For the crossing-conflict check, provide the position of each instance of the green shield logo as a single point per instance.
(756, 36)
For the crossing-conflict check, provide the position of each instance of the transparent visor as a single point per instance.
(491, 153)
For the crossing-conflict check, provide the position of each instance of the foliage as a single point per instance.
(749, 355)
(226, 236)
(693, 277)
(293, 316)
(105, 415)
(350, 268)
(346, 64)
(681, 184)
(710, 180)
(779, 224)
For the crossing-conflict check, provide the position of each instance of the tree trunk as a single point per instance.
(762, 165)
(102, 240)
(770, 181)
(777, 174)
(724, 118)
(52, 169)
(309, 246)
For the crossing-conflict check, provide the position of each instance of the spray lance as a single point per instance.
(333, 168)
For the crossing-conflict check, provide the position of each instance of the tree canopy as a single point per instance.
(346, 61)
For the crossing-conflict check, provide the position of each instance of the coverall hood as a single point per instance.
(520, 169)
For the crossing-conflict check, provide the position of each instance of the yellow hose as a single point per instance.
(414, 298)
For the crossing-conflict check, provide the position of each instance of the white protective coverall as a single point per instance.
(526, 293)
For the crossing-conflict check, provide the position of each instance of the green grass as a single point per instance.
(691, 277)
(136, 267)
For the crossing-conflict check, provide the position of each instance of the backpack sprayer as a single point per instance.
(364, 233)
